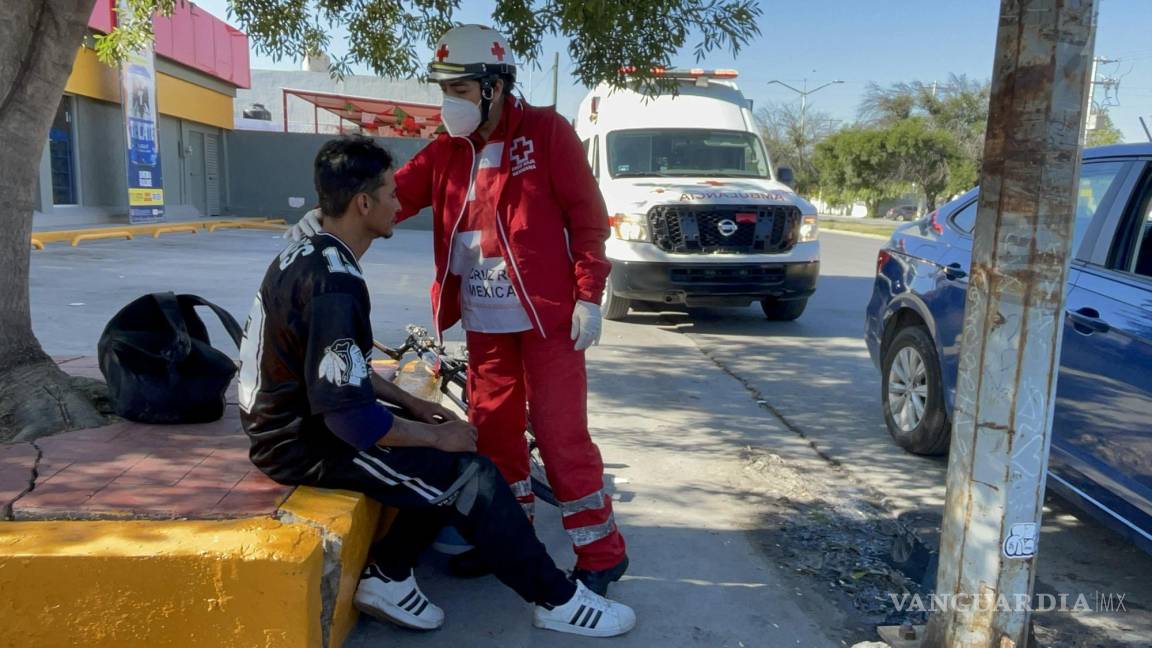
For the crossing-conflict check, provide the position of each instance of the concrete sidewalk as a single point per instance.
(671, 427)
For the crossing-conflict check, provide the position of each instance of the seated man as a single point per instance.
(308, 401)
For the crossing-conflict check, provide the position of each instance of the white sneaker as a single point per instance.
(587, 613)
(400, 602)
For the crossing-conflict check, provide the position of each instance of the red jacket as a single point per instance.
(550, 216)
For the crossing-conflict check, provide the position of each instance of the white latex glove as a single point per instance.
(586, 321)
(307, 226)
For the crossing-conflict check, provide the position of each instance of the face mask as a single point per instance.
(461, 117)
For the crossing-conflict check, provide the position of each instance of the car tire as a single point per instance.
(912, 393)
(779, 310)
(614, 308)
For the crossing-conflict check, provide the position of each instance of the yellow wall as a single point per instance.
(91, 78)
(185, 100)
(152, 584)
(174, 97)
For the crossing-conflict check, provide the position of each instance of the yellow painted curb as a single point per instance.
(155, 229)
(269, 225)
(173, 229)
(95, 236)
(348, 522)
(252, 583)
(196, 584)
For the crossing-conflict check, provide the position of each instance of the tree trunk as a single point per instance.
(38, 43)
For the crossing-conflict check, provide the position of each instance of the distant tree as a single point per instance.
(1105, 132)
(923, 156)
(854, 164)
(958, 106)
(791, 139)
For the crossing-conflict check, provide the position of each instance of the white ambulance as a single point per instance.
(698, 215)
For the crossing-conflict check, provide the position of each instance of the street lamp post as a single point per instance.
(804, 108)
(804, 95)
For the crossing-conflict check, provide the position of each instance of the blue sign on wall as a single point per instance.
(145, 178)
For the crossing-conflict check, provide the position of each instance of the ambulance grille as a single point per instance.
(687, 229)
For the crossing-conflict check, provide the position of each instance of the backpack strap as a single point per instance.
(170, 308)
(230, 325)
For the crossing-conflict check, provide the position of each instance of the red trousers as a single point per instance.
(516, 377)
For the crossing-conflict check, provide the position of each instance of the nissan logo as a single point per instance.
(727, 227)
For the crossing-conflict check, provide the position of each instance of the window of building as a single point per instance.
(62, 154)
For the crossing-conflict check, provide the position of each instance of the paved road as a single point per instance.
(674, 407)
(816, 373)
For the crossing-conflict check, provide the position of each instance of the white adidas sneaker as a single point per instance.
(400, 602)
(587, 614)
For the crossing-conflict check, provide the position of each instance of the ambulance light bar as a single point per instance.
(685, 73)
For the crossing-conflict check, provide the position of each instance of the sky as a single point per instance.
(810, 43)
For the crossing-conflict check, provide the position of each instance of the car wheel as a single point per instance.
(613, 307)
(783, 310)
(912, 393)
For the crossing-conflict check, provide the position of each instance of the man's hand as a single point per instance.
(430, 412)
(455, 436)
(307, 226)
(586, 320)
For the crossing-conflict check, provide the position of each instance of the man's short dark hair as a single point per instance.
(345, 167)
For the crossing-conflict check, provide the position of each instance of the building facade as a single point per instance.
(200, 62)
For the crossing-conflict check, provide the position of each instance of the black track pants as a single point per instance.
(432, 489)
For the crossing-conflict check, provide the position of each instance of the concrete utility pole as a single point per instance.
(1013, 324)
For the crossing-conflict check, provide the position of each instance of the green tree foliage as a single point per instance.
(383, 35)
(1105, 132)
(855, 165)
(791, 139)
(873, 164)
(936, 130)
(921, 155)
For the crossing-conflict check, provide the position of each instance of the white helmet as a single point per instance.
(471, 52)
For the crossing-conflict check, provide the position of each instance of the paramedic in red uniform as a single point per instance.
(519, 231)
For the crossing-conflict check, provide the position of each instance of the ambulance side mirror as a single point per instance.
(784, 174)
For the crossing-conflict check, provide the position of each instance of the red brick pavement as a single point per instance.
(134, 470)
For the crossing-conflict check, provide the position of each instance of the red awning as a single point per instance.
(382, 117)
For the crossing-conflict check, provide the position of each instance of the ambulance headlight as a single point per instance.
(809, 228)
(629, 227)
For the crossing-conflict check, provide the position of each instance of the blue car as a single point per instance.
(1101, 455)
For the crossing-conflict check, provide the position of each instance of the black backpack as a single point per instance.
(159, 363)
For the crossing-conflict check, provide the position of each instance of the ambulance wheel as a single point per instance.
(614, 308)
(783, 311)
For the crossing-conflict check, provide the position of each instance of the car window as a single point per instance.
(965, 218)
(1095, 180)
(1141, 252)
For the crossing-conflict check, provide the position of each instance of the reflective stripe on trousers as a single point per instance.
(586, 535)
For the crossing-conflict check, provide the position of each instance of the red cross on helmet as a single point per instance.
(471, 52)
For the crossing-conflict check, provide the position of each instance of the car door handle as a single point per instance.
(1087, 321)
(954, 272)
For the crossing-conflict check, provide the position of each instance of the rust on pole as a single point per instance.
(1013, 324)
